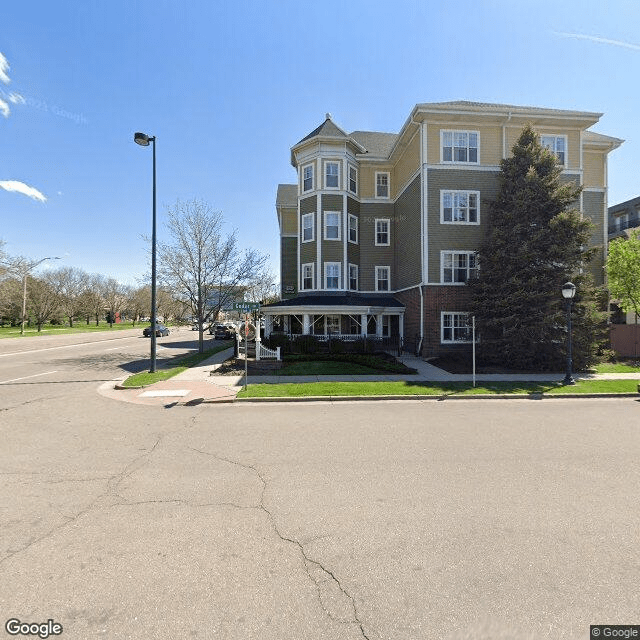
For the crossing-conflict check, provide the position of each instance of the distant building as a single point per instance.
(624, 217)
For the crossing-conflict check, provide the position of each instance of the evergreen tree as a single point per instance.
(535, 242)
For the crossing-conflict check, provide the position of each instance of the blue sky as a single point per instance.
(228, 87)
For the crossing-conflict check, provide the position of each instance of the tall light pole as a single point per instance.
(568, 291)
(143, 140)
(27, 267)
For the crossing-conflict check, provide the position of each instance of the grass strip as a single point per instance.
(411, 388)
(56, 329)
(173, 367)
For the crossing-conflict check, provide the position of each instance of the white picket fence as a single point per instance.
(264, 353)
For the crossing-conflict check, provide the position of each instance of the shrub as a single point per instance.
(307, 344)
(281, 340)
(336, 346)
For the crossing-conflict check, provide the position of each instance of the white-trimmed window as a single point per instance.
(353, 228)
(382, 184)
(353, 179)
(382, 231)
(307, 275)
(383, 278)
(307, 178)
(331, 275)
(308, 227)
(353, 277)
(332, 225)
(460, 207)
(454, 327)
(385, 326)
(331, 175)
(332, 325)
(460, 146)
(456, 267)
(557, 145)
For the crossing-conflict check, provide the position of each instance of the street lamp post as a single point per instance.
(143, 140)
(568, 291)
(29, 266)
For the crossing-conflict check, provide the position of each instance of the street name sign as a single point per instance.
(246, 307)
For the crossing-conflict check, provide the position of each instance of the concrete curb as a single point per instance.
(439, 398)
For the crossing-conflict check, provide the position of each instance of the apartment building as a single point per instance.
(623, 218)
(380, 231)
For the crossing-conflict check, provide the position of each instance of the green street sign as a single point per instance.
(246, 307)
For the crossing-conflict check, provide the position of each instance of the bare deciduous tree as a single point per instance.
(202, 263)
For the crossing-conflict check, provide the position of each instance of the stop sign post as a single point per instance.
(246, 308)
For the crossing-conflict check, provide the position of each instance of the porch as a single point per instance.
(347, 317)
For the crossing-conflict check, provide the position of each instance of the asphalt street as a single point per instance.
(416, 519)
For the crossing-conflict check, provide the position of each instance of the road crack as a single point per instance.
(337, 603)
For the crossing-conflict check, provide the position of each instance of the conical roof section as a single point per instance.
(327, 129)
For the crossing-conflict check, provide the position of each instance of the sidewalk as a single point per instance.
(200, 384)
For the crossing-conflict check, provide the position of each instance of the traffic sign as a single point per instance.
(246, 307)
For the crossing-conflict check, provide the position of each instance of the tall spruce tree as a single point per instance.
(535, 242)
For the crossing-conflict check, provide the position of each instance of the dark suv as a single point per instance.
(161, 330)
(221, 332)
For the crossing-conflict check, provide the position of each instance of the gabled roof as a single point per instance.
(597, 139)
(287, 195)
(375, 142)
(495, 107)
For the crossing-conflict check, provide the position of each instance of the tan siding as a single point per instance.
(490, 141)
(406, 166)
(367, 177)
(573, 142)
(593, 208)
(594, 169)
(288, 221)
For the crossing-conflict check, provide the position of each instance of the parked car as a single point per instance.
(222, 332)
(161, 330)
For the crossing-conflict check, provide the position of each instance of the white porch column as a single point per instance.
(363, 324)
(379, 325)
(401, 324)
(306, 323)
(268, 325)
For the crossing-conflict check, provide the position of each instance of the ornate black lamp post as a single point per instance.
(143, 140)
(568, 291)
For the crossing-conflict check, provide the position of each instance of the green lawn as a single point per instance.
(434, 389)
(78, 327)
(615, 367)
(173, 367)
(319, 368)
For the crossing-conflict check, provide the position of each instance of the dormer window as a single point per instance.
(307, 178)
(331, 175)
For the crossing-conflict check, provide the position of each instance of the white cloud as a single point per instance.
(21, 187)
(4, 108)
(617, 43)
(4, 67)
(16, 98)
